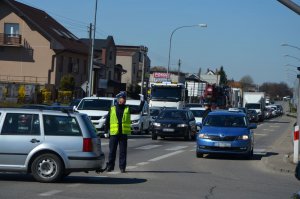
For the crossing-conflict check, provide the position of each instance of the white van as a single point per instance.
(97, 109)
(140, 122)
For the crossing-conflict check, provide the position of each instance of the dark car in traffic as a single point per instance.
(253, 116)
(174, 123)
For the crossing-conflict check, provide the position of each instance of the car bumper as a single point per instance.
(172, 132)
(84, 163)
(223, 147)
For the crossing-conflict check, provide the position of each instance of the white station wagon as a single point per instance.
(48, 144)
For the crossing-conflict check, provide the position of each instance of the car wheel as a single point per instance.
(162, 137)
(188, 136)
(154, 137)
(249, 156)
(47, 168)
(199, 155)
(297, 171)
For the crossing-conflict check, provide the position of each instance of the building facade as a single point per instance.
(37, 51)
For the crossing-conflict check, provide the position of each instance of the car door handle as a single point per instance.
(34, 140)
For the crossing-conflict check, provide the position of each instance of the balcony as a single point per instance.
(10, 40)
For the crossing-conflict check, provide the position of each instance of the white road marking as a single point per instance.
(268, 130)
(50, 193)
(260, 134)
(260, 151)
(151, 146)
(166, 156)
(176, 148)
(131, 167)
(275, 126)
(142, 163)
(114, 172)
(192, 150)
(74, 185)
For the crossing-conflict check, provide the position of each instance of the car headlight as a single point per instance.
(182, 125)
(156, 124)
(203, 136)
(243, 137)
(134, 121)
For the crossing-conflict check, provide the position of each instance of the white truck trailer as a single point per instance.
(255, 101)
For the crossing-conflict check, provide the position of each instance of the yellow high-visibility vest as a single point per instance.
(114, 123)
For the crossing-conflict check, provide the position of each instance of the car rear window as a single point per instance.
(90, 126)
(58, 125)
(21, 124)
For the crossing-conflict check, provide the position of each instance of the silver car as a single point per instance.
(48, 144)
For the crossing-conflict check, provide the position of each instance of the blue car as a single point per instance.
(226, 132)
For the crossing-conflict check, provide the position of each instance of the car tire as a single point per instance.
(154, 137)
(47, 168)
(249, 156)
(199, 155)
(297, 171)
(188, 136)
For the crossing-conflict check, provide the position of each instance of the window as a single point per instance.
(12, 29)
(61, 64)
(70, 65)
(21, 124)
(84, 67)
(76, 66)
(61, 125)
(109, 75)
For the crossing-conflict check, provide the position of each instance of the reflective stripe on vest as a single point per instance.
(114, 123)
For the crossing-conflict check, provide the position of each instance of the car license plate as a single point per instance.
(223, 144)
(168, 130)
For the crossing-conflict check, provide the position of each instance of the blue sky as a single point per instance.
(243, 36)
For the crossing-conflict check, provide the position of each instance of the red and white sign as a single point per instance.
(161, 75)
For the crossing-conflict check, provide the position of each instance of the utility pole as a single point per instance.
(91, 90)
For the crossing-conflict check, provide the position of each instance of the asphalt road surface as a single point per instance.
(169, 169)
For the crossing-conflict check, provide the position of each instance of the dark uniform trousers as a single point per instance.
(114, 140)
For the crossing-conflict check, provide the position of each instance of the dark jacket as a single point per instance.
(206, 112)
(120, 112)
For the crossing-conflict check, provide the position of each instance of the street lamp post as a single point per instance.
(170, 42)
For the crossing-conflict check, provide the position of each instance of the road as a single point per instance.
(169, 169)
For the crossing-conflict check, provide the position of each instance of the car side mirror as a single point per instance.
(252, 126)
(199, 124)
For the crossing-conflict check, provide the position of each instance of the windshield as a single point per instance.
(172, 115)
(166, 93)
(225, 121)
(134, 108)
(198, 113)
(253, 106)
(95, 104)
(154, 112)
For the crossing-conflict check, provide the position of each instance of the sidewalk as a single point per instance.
(283, 161)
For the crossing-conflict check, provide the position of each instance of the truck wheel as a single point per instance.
(47, 168)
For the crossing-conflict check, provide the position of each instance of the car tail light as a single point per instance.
(87, 145)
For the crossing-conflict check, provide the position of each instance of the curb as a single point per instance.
(273, 167)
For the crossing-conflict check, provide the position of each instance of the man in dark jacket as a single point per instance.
(207, 110)
(118, 124)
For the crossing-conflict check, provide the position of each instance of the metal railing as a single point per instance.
(23, 79)
(10, 39)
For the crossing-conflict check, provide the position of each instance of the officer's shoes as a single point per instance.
(123, 171)
(110, 170)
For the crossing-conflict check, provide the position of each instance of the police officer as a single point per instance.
(207, 110)
(119, 125)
